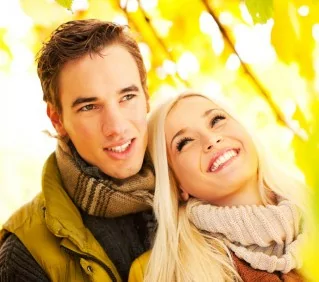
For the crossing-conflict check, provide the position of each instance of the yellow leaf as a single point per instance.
(284, 35)
(99, 9)
(3, 44)
(305, 46)
(45, 13)
(292, 34)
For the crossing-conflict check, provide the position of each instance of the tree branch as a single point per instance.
(159, 40)
(279, 115)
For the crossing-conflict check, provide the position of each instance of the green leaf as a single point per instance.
(260, 10)
(65, 3)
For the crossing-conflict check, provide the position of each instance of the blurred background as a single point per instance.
(261, 54)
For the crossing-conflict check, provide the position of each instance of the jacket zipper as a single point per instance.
(105, 267)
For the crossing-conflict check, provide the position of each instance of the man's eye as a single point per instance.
(87, 108)
(128, 97)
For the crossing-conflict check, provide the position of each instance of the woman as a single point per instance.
(224, 213)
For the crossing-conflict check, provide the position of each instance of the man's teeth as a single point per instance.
(119, 149)
(222, 159)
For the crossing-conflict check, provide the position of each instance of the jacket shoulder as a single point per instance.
(138, 268)
(28, 225)
(30, 211)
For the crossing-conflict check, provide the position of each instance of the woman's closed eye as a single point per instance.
(181, 143)
(216, 119)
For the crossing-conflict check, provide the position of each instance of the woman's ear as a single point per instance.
(184, 194)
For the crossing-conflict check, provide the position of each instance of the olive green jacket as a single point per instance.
(51, 228)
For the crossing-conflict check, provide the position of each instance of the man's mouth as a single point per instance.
(222, 159)
(120, 148)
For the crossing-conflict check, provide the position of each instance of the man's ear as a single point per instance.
(56, 120)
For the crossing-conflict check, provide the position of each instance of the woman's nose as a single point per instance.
(212, 141)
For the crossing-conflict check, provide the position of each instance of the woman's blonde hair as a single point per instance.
(181, 252)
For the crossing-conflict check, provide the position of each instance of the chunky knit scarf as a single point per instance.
(98, 194)
(266, 237)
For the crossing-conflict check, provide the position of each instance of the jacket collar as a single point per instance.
(62, 216)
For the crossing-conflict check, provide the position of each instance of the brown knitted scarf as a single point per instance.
(98, 194)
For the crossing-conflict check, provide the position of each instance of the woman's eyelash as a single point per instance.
(216, 119)
(181, 143)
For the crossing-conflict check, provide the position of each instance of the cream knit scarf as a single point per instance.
(98, 194)
(267, 237)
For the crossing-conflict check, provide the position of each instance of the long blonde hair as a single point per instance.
(181, 252)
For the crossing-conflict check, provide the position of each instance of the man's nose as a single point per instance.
(114, 122)
(211, 142)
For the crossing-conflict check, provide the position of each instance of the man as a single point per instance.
(92, 218)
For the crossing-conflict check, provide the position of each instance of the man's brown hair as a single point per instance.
(74, 39)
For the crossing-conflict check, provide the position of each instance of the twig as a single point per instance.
(160, 41)
(154, 33)
(279, 115)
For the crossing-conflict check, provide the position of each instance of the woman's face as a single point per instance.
(211, 154)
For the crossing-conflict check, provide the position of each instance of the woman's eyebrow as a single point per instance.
(208, 112)
(183, 130)
(180, 132)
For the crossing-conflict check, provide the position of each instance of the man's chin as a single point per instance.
(126, 172)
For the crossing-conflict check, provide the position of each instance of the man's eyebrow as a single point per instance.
(180, 132)
(131, 88)
(82, 100)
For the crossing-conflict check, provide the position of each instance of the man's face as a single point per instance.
(104, 111)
